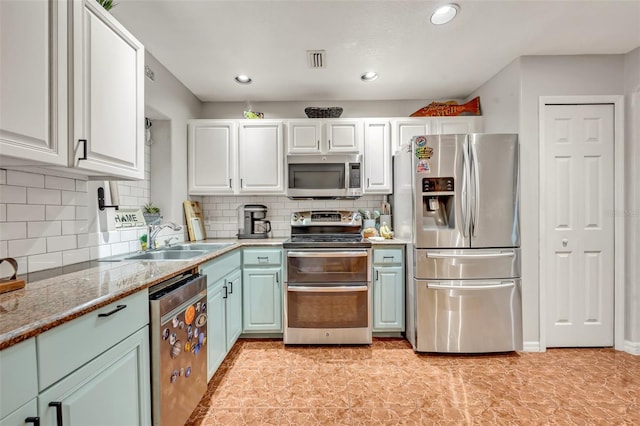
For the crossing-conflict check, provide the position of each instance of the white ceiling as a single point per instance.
(205, 43)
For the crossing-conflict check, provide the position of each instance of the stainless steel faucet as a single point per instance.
(153, 230)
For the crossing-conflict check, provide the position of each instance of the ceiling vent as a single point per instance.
(316, 58)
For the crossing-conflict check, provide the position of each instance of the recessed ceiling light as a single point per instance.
(444, 14)
(243, 79)
(369, 76)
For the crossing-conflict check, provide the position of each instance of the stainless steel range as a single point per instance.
(327, 279)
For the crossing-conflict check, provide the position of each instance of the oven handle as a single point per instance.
(334, 289)
(327, 254)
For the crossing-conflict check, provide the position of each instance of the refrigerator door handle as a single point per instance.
(489, 285)
(476, 190)
(432, 255)
(466, 213)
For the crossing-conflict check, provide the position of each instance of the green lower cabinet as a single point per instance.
(388, 289)
(113, 389)
(216, 327)
(17, 418)
(262, 306)
(234, 308)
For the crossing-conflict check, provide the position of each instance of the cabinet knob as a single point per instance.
(565, 242)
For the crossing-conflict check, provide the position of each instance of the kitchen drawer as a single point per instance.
(65, 348)
(262, 257)
(387, 256)
(219, 268)
(18, 376)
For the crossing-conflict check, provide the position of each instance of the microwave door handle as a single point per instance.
(347, 175)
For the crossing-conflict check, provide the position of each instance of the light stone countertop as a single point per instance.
(49, 302)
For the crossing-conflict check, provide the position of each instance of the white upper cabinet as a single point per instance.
(344, 135)
(304, 136)
(406, 128)
(321, 136)
(108, 95)
(211, 156)
(453, 125)
(260, 157)
(33, 80)
(61, 58)
(377, 157)
(227, 157)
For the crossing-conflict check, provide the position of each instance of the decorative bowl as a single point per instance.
(330, 112)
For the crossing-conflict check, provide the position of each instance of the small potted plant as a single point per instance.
(151, 214)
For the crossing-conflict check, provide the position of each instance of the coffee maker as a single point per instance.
(252, 222)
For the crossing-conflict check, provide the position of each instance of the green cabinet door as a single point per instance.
(234, 307)
(113, 389)
(388, 298)
(262, 306)
(216, 326)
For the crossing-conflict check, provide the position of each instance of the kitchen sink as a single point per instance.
(209, 247)
(166, 255)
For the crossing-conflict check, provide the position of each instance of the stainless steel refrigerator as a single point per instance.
(456, 200)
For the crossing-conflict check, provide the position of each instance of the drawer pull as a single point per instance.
(58, 406)
(263, 259)
(118, 308)
(34, 420)
(225, 292)
(230, 287)
(387, 257)
(84, 149)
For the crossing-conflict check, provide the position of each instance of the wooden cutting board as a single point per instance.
(195, 220)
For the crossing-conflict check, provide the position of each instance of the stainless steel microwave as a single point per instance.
(327, 176)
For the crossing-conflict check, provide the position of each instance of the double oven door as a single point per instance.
(328, 296)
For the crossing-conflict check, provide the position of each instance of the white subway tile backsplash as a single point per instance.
(55, 182)
(75, 227)
(81, 185)
(120, 248)
(27, 247)
(45, 220)
(70, 257)
(43, 196)
(13, 194)
(82, 213)
(63, 242)
(13, 230)
(24, 212)
(44, 229)
(44, 261)
(109, 237)
(32, 180)
(72, 198)
(98, 252)
(60, 213)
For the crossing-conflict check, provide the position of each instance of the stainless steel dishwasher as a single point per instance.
(178, 309)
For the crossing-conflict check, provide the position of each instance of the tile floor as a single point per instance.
(262, 382)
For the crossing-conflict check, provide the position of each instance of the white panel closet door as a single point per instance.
(578, 224)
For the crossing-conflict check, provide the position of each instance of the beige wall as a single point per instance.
(632, 209)
(513, 96)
